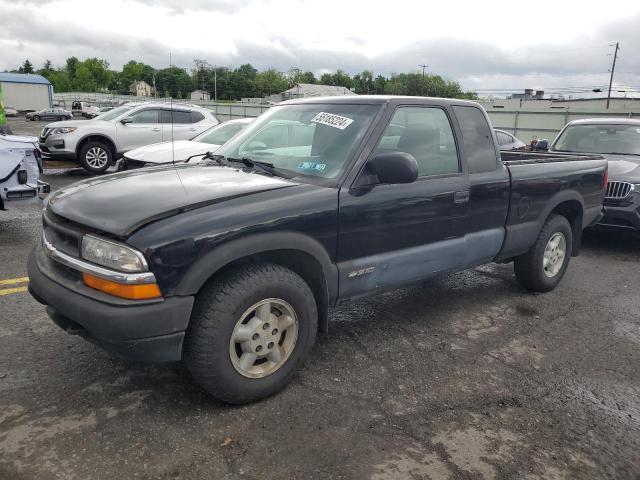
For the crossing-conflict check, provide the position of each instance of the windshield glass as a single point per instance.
(313, 140)
(115, 113)
(220, 134)
(605, 138)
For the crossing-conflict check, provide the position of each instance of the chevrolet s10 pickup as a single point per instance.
(231, 262)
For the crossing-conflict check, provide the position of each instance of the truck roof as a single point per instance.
(378, 100)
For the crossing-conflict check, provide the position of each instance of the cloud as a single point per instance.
(234, 38)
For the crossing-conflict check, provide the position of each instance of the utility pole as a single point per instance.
(215, 84)
(423, 67)
(613, 67)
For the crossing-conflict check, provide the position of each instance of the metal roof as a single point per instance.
(23, 78)
(316, 90)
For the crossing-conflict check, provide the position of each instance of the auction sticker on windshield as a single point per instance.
(332, 120)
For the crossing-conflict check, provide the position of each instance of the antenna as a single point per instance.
(613, 67)
(173, 146)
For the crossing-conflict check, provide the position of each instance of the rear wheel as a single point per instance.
(95, 157)
(544, 265)
(36, 118)
(249, 331)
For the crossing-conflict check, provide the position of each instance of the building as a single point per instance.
(141, 89)
(25, 91)
(200, 95)
(528, 95)
(304, 90)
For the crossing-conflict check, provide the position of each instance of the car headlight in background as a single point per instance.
(63, 130)
(112, 255)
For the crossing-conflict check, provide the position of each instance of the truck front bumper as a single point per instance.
(143, 331)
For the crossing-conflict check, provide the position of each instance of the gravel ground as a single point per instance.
(464, 376)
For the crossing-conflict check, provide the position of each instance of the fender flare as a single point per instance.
(521, 236)
(233, 250)
(99, 135)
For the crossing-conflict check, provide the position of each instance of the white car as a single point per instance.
(20, 169)
(96, 144)
(180, 150)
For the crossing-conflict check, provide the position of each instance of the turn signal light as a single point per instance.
(131, 292)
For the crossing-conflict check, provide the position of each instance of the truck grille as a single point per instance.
(618, 189)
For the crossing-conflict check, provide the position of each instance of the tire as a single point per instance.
(35, 118)
(60, 119)
(95, 157)
(211, 350)
(530, 268)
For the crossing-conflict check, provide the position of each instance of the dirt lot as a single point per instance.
(465, 376)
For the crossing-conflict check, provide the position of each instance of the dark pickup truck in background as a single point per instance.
(232, 263)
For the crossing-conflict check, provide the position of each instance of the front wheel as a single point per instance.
(249, 331)
(544, 265)
(95, 157)
(35, 118)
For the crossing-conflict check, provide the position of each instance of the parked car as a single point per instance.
(98, 143)
(507, 141)
(231, 265)
(618, 139)
(81, 109)
(97, 112)
(20, 169)
(181, 150)
(49, 114)
(10, 112)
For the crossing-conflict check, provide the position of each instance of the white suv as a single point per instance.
(97, 143)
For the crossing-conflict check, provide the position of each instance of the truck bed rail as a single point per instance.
(525, 158)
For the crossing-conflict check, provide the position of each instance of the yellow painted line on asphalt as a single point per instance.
(11, 281)
(9, 291)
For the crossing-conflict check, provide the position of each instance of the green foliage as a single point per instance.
(93, 74)
(27, 67)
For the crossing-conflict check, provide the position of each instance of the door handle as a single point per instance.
(461, 196)
(193, 129)
(155, 129)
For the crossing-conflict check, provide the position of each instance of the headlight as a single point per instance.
(112, 255)
(62, 130)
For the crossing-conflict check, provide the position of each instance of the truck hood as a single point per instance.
(123, 202)
(164, 152)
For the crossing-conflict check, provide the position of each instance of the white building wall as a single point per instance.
(25, 96)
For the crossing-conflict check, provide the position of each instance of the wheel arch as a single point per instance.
(296, 251)
(96, 138)
(573, 211)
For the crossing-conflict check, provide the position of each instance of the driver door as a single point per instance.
(144, 129)
(392, 234)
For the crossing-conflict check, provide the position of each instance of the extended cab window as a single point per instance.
(477, 139)
(425, 133)
(145, 116)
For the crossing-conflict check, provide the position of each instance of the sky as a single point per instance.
(492, 47)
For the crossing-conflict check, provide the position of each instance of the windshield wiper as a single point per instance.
(266, 167)
(219, 159)
(620, 153)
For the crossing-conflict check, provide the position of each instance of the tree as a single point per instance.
(71, 65)
(270, 81)
(27, 67)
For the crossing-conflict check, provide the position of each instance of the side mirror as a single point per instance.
(542, 145)
(126, 120)
(394, 167)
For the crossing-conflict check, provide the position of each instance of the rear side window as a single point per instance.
(178, 116)
(503, 138)
(477, 139)
(196, 117)
(425, 133)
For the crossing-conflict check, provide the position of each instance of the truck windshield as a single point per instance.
(115, 113)
(309, 140)
(600, 138)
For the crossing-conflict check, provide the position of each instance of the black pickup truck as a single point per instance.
(231, 263)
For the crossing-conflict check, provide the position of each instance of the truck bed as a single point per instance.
(525, 158)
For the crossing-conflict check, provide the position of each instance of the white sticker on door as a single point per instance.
(332, 120)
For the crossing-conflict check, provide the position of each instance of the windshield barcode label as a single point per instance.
(332, 120)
